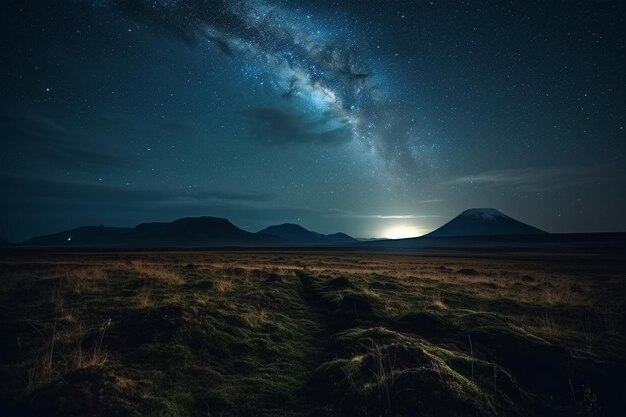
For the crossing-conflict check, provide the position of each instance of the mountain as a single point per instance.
(340, 238)
(198, 231)
(190, 231)
(295, 233)
(484, 222)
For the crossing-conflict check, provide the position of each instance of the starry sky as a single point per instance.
(375, 118)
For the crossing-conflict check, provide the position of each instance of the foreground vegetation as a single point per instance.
(311, 334)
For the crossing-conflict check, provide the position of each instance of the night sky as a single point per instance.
(375, 118)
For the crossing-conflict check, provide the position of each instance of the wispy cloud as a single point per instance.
(274, 126)
(538, 179)
(394, 216)
(49, 141)
(48, 191)
(352, 215)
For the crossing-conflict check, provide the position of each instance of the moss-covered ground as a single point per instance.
(311, 334)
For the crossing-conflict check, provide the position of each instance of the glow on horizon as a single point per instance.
(402, 231)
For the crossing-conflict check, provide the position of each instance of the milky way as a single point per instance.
(328, 78)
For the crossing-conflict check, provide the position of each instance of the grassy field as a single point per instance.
(311, 334)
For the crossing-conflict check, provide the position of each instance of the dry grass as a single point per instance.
(57, 297)
(548, 325)
(80, 358)
(438, 303)
(144, 297)
(384, 371)
(49, 363)
(375, 295)
(223, 284)
(124, 384)
(255, 317)
(41, 370)
(560, 292)
(177, 298)
(157, 271)
(79, 279)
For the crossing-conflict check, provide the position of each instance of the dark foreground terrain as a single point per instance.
(311, 334)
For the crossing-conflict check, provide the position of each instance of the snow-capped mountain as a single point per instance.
(484, 222)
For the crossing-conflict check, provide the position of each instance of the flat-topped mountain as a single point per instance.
(295, 233)
(484, 222)
(198, 230)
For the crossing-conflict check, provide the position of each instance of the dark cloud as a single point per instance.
(46, 140)
(36, 206)
(37, 190)
(282, 127)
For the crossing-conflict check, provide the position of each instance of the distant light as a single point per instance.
(402, 231)
(69, 238)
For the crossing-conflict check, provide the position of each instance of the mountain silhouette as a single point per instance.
(484, 222)
(214, 232)
(199, 230)
(295, 233)
(190, 231)
(340, 237)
